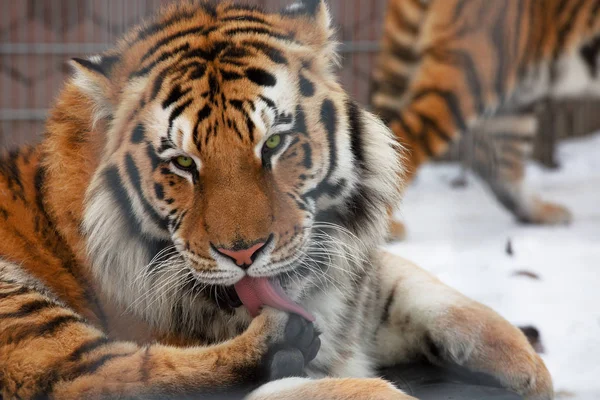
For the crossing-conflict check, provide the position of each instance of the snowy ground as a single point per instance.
(461, 236)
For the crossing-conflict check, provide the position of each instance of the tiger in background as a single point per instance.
(449, 67)
(203, 193)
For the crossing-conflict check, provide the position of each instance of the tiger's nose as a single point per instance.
(243, 257)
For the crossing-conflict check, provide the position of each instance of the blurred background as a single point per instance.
(547, 278)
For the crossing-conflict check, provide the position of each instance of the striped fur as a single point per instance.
(451, 67)
(110, 284)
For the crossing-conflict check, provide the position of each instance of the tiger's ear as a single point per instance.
(311, 23)
(93, 76)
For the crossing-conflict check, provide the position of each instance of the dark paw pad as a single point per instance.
(299, 346)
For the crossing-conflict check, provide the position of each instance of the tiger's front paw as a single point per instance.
(481, 340)
(291, 347)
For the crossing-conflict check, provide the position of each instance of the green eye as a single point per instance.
(184, 162)
(273, 142)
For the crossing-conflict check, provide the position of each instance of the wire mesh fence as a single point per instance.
(38, 36)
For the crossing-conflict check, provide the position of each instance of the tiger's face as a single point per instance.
(228, 138)
(229, 163)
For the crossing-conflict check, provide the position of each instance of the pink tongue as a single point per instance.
(258, 292)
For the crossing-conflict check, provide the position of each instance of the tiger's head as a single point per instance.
(228, 149)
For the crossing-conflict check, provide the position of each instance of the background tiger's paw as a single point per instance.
(546, 213)
(292, 349)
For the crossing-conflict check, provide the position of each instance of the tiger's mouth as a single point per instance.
(255, 294)
(225, 297)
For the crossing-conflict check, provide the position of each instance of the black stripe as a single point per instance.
(237, 130)
(144, 368)
(261, 77)
(246, 18)
(234, 53)
(160, 77)
(175, 95)
(406, 54)
(306, 86)
(300, 122)
(196, 31)
(567, 27)
(159, 190)
(88, 347)
(163, 57)
(329, 119)
(117, 189)
(356, 133)
(199, 70)
(499, 36)
(90, 367)
(403, 23)
(464, 61)
(431, 126)
(250, 127)
(452, 102)
(138, 134)
(47, 329)
(58, 247)
(208, 54)
(518, 36)
(104, 67)
(30, 308)
(590, 53)
(202, 115)
(230, 75)
(237, 104)
(16, 292)
(307, 161)
(136, 181)
(274, 54)
(155, 161)
(258, 30)
(163, 25)
(177, 112)
(269, 102)
(593, 15)
(458, 9)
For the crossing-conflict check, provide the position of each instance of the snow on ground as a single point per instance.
(460, 234)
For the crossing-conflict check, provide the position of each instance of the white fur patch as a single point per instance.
(279, 386)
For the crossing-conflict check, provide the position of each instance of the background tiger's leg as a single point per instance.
(329, 389)
(500, 147)
(47, 350)
(423, 317)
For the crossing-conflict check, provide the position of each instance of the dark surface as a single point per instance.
(427, 382)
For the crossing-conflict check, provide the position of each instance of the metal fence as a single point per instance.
(38, 36)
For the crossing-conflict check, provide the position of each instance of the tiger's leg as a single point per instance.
(500, 148)
(423, 317)
(47, 350)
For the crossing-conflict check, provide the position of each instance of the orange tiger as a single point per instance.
(203, 218)
(453, 66)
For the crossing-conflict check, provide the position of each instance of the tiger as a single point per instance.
(450, 67)
(204, 215)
